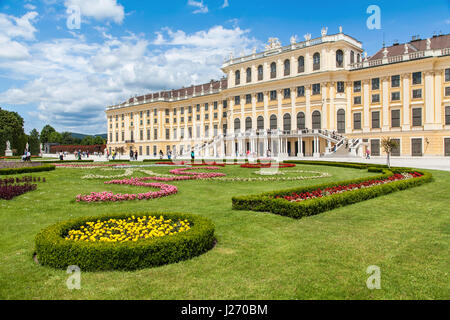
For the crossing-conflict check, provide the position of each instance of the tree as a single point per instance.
(34, 142)
(55, 137)
(46, 132)
(388, 145)
(11, 129)
(88, 141)
(99, 140)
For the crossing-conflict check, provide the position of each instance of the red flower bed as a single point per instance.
(14, 187)
(267, 165)
(107, 196)
(350, 187)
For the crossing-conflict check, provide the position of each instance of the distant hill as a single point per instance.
(81, 136)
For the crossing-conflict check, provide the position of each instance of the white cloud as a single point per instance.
(22, 27)
(70, 81)
(29, 6)
(202, 8)
(99, 9)
(225, 4)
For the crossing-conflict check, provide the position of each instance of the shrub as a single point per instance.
(267, 202)
(10, 171)
(54, 251)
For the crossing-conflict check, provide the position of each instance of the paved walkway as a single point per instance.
(434, 163)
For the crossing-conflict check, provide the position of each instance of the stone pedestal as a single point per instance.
(8, 153)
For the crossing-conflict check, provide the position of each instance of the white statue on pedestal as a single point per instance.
(8, 151)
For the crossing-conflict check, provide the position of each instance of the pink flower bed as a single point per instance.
(350, 187)
(107, 196)
(183, 175)
(86, 165)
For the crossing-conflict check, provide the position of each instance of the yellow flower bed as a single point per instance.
(124, 230)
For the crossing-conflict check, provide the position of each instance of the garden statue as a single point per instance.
(8, 151)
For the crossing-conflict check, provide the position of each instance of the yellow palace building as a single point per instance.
(322, 97)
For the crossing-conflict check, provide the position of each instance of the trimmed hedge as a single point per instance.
(10, 171)
(54, 251)
(66, 161)
(267, 203)
(353, 165)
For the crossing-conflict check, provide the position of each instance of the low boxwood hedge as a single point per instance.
(267, 202)
(54, 251)
(10, 171)
(66, 161)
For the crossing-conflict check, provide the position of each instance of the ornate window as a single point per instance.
(287, 67)
(339, 59)
(260, 73)
(249, 75)
(352, 57)
(273, 70)
(287, 122)
(301, 64)
(260, 123)
(237, 78)
(237, 125)
(316, 120)
(341, 121)
(316, 61)
(248, 124)
(301, 121)
(273, 122)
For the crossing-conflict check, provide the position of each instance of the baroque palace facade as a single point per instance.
(321, 97)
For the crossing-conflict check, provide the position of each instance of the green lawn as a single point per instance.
(258, 255)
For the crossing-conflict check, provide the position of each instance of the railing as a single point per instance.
(400, 58)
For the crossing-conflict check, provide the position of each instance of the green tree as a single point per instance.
(34, 142)
(88, 141)
(388, 145)
(11, 129)
(99, 140)
(46, 132)
(55, 137)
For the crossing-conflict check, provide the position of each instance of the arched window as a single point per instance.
(237, 78)
(316, 120)
(248, 124)
(341, 121)
(352, 57)
(301, 64)
(249, 75)
(237, 125)
(287, 122)
(260, 123)
(301, 121)
(287, 67)
(273, 70)
(339, 59)
(358, 58)
(273, 122)
(316, 61)
(260, 73)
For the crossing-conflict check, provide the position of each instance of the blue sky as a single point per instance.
(52, 74)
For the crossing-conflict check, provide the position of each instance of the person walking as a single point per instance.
(367, 153)
(136, 155)
(192, 155)
(131, 155)
(161, 155)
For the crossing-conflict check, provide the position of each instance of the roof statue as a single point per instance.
(274, 43)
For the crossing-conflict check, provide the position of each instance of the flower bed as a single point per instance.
(87, 166)
(319, 193)
(128, 172)
(54, 250)
(267, 165)
(14, 187)
(131, 229)
(107, 196)
(183, 175)
(318, 175)
(311, 200)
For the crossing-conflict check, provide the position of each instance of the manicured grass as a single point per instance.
(258, 255)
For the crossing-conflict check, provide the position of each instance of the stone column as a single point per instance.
(308, 119)
(266, 111)
(280, 109)
(324, 106)
(348, 110)
(406, 102)
(293, 114)
(429, 101)
(366, 108)
(386, 99)
(438, 99)
(332, 108)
